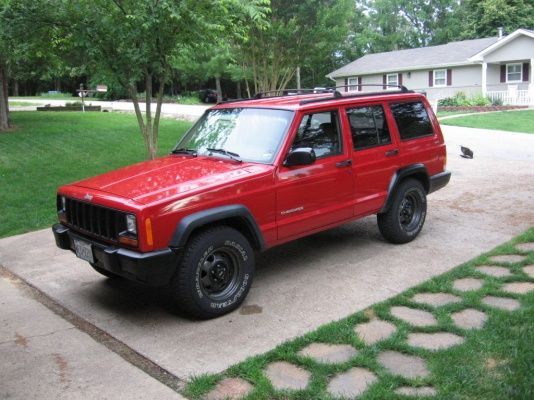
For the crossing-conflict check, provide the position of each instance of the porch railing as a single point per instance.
(512, 98)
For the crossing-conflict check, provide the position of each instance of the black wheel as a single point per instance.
(406, 216)
(104, 272)
(215, 274)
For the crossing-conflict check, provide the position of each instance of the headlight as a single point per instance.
(131, 224)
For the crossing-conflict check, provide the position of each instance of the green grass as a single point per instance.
(48, 96)
(46, 150)
(514, 121)
(495, 362)
(21, 104)
(448, 113)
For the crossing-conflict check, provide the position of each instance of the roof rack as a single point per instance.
(336, 94)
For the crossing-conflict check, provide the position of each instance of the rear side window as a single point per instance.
(412, 120)
(368, 126)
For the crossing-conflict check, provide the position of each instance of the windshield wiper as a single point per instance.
(182, 150)
(233, 156)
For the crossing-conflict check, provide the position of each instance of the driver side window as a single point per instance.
(321, 132)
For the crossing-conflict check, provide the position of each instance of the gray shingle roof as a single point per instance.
(453, 53)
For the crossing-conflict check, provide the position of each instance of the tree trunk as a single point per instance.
(4, 106)
(238, 94)
(57, 84)
(218, 88)
(15, 88)
(149, 133)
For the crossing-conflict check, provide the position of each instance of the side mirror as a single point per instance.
(300, 156)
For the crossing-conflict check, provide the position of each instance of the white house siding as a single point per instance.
(519, 49)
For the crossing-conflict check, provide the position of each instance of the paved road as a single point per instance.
(181, 111)
(304, 284)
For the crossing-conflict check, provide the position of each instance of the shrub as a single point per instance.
(461, 100)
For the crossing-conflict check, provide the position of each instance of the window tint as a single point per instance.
(368, 126)
(320, 132)
(412, 120)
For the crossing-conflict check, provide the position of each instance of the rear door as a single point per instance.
(375, 155)
(310, 197)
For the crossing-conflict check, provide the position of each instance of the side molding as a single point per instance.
(417, 170)
(237, 212)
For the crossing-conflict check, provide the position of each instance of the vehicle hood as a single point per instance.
(169, 176)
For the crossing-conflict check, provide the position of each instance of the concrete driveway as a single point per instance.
(302, 285)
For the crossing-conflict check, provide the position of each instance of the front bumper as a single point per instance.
(154, 268)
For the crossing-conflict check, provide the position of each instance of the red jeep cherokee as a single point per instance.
(250, 175)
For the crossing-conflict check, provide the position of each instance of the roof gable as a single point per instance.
(480, 55)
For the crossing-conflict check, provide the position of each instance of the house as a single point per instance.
(497, 67)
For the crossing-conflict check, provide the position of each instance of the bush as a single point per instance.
(496, 102)
(461, 100)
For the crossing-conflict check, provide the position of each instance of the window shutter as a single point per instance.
(449, 77)
(400, 79)
(346, 84)
(430, 78)
(359, 83)
(525, 72)
(384, 81)
(503, 73)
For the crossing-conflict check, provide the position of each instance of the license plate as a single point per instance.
(83, 250)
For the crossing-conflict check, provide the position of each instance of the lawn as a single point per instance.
(440, 114)
(514, 121)
(494, 362)
(49, 96)
(46, 150)
(21, 104)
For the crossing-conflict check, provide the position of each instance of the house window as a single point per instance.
(353, 82)
(514, 72)
(440, 77)
(392, 79)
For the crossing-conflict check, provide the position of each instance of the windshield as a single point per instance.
(252, 134)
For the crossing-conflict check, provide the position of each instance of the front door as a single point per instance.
(311, 197)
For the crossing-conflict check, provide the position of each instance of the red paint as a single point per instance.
(286, 203)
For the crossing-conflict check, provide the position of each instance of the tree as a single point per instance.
(136, 40)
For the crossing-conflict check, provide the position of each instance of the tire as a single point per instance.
(215, 273)
(104, 272)
(406, 216)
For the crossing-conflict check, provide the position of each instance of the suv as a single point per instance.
(250, 175)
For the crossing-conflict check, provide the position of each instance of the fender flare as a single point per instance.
(418, 170)
(189, 223)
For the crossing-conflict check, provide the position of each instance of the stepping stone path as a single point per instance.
(467, 284)
(529, 270)
(374, 331)
(497, 272)
(436, 299)
(329, 353)
(528, 246)
(469, 319)
(518, 287)
(416, 391)
(413, 316)
(434, 341)
(502, 303)
(286, 376)
(351, 383)
(230, 388)
(508, 258)
(409, 367)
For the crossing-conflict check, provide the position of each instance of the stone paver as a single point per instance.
(518, 287)
(502, 303)
(414, 316)
(351, 383)
(229, 389)
(436, 299)
(416, 391)
(528, 246)
(497, 272)
(434, 341)
(529, 270)
(508, 258)
(286, 376)
(469, 319)
(374, 331)
(467, 284)
(329, 353)
(409, 367)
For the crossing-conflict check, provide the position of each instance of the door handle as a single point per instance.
(342, 164)
(391, 153)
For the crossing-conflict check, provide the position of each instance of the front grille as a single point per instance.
(101, 222)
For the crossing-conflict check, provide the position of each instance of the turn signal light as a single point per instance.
(149, 237)
(128, 241)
